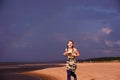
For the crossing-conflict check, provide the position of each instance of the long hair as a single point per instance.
(72, 43)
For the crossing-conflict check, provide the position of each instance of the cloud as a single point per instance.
(101, 37)
(108, 43)
(87, 36)
(97, 37)
(106, 30)
(117, 42)
(105, 51)
(99, 42)
(112, 43)
(98, 9)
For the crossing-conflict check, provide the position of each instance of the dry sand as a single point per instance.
(85, 71)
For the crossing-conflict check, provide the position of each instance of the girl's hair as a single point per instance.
(72, 43)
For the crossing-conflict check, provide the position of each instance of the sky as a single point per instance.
(38, 30)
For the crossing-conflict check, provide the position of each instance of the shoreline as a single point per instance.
(41, 76)
(15, 76)
(16, 72)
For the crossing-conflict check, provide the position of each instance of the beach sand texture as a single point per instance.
(85, 71)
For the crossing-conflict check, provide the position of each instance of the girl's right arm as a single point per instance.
(65, 53)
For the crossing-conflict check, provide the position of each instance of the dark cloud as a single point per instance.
(32, 30)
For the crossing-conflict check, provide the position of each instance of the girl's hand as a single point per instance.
(74, 54)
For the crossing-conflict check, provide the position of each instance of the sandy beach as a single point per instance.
(85, 71)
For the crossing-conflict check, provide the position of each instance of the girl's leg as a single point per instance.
(74, 75)
(68, 75)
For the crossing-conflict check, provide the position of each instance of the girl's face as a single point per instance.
(70, 44)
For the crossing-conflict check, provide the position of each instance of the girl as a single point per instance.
(71, 52)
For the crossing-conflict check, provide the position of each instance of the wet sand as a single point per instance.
(15, 71)
(14, 76)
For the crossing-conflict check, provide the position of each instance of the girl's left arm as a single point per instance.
(76, 52)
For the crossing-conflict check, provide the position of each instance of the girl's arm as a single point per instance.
(76, 52)
(65, 53)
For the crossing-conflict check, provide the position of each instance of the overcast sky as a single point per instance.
(37, 30)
